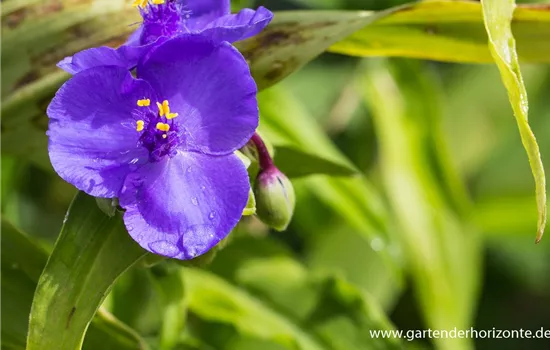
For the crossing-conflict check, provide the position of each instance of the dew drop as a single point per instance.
(203, 188)
(212, 215)
(130, 228)
(65, 218)
(188, 169)
(164, 248)
(191, 253)
(377, 244)
(197, 240)
(134, 161)
(195, 201)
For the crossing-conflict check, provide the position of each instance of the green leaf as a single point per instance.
(446, 30)
(250, 208)
(170, 286)
(213, 299)
(294, 38)
(91, 252)
(426, 194)
(332, 245)
(296, 163)
(11, 168)
(35, 37)
(108, 333)
(286, 123)
(237, 5)
(335, 314)
(497, 15)
(135, 301)
(505, 216)
(22, 264)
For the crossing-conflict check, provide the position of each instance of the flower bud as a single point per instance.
(274, 198)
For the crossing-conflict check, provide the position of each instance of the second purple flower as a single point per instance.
(165, 19)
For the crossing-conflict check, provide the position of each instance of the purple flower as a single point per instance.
(162, 143)
(164, 19)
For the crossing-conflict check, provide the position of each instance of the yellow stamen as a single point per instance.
(144, 102)
(171, 115)
(143, 3)
(140, 3)
(140, 124)
(164, 110)
(163, 126)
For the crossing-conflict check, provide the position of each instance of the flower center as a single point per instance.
(159, 134)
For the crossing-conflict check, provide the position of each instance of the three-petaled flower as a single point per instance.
(165, 19)
(163, 143)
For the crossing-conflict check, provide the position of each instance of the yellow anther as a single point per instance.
(140, 3)
(171, 115)
(164, 110)
(143, 3)
(144, 102)
(163, 126)
(140, 124)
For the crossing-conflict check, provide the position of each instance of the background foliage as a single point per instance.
(415, 201)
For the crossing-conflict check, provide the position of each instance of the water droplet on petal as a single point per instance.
(212, 215)
(195, 201)
(203, 188)
(188, 169)
(130, 228)
(134, 161)
(197, 240)
(164, 248)
(191, 253)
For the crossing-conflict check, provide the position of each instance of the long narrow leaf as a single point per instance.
(91, 252)
(497, 15)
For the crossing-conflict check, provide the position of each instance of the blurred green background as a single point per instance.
(449, 189)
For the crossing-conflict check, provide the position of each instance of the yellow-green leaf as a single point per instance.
(497, 15)
(446, 30)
